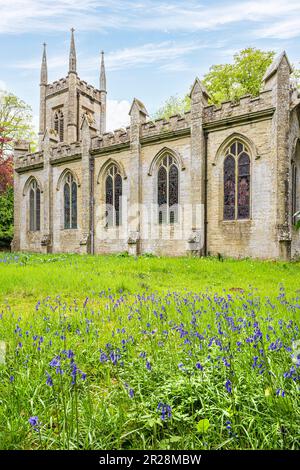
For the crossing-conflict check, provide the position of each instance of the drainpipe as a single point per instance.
(205, 193)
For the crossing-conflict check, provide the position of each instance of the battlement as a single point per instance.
(28, 160)
(174, 123)
(56, 86)
(63, 84)
(119, 136)
(65, 151)
(246, 104)
(89, 90)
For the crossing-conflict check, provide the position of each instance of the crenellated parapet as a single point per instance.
(109, 139)
(246, 106)
(175, 123)
(57, 86)
(65, 152)
(28, 161)
(88, 90)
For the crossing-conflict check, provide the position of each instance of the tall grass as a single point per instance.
(25, 278)
(132, 369)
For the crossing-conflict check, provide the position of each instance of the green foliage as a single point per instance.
(15, 122)
(173, 105)
(297, 220)
(243, 76)
(6, 217)
(228, 82)
(202, 426)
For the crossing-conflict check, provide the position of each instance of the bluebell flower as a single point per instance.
(55, 362)
(49, 380)
(34, 423)
(166, 411)
(228, 386)
(199, 366)
(148, 365)
(11, 378)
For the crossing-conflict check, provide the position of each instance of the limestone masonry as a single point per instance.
(213, 181)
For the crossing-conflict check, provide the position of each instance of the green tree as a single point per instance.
(6, 217)
(173, 105)
(15, 124)
(244, 76)
(227, 81)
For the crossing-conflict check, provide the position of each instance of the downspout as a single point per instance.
(205, 193)
(92, 207)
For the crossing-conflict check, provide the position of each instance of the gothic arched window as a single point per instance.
(59, 124)
(70, 202)
(113, 195)
(236, 182)
(34, 207)
(167, 190)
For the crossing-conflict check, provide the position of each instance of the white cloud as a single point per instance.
(281, 30)
(19, 16)
(163, 54)
(150, 53)
(117, 114)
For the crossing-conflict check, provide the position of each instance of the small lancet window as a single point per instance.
(70, 202)
(113, 196)
(167, 190)
(59, 124)
(34, 207)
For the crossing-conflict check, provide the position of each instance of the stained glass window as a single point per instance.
(167, 191)
(70, 202)
(229, 188)
(34, 207)
(236, 182)
(113, 195)
(243, 187)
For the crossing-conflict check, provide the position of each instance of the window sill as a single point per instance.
(236, 221)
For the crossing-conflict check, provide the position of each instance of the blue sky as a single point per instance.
(153, 48)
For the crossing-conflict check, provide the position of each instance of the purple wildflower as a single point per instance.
(228, 386)
(166, 410)
(34, 423)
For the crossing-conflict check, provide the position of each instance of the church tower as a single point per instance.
(67, 101)
(43, 89)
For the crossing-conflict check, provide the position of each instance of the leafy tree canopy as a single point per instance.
(15, 124)
(6, 216)
(226, 82)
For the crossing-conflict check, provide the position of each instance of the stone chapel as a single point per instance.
(215, 180)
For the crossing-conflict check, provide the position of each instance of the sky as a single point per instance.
(153, 48)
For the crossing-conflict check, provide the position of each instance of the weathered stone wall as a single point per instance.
(256, 237)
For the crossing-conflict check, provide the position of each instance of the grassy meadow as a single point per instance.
(114, 352)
